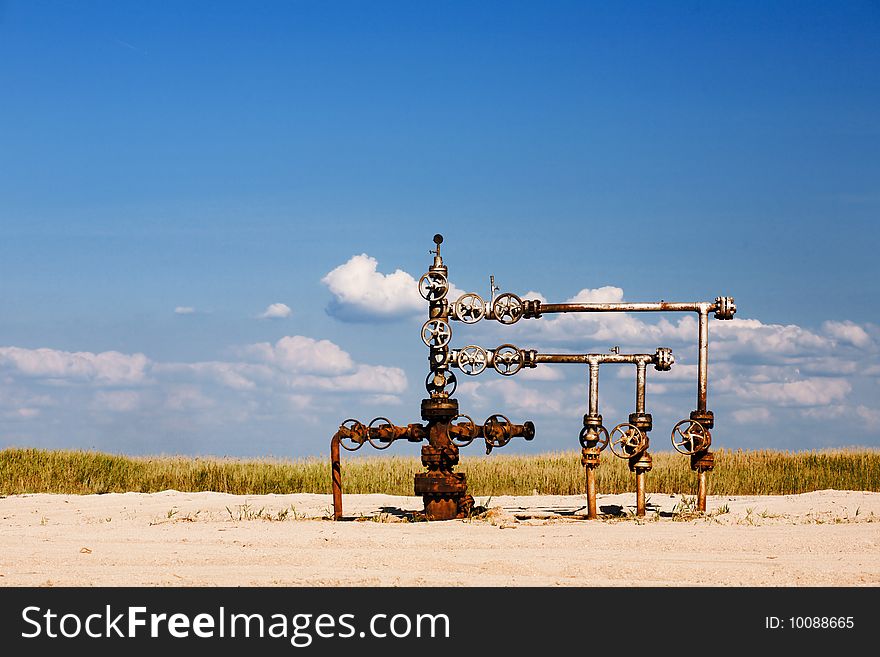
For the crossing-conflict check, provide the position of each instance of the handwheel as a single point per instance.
(591, 434)
(433, 286)
(508, 360)
(356, 433)
(470, 430)
(436, 333)
(438, 381)
(507, 308)
(627, 440)
(690, 437)
(472, 360)
(379, 422)
(494, 431)
(469, 308)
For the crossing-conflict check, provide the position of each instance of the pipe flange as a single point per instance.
(725, 308)
(706, 418)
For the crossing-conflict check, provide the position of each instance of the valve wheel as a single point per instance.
(349, 443)
(507, 308)
(433, 286)
(471, 430)
(436, 333)
(437, 382)
(690, 437)
(472, 360)
(493, 430)
(589, 434)
(378, 444)
(508, 360)
(627, 440)
(469, 308)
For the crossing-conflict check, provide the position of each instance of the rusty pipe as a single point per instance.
(640, 387)
(660, 306)
(591, 492)
(640, 492)
(594, 388)
(336, 476)
(701, 492)
(703, 361)
(594, 358)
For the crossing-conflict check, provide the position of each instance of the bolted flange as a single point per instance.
(702, 461)
(706, 418)
(441, 409)
(439, 458)
(593, 421)
(641, 420)
(641, 462)
(590, 457)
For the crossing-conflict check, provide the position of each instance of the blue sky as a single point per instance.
(171, 174)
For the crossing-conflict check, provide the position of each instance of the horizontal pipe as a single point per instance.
(660, 306)
(594, 358)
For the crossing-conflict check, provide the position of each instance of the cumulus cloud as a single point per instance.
(300, 354)
(751, 415)
(120, 401)
(817, 391)
(848, 332)
(184, 310)
(871, 416)
(275, 311)
(361, 293)
(108, 368)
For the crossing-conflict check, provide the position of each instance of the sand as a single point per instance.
(823, 538)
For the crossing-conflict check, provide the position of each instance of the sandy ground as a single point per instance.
(824, 538)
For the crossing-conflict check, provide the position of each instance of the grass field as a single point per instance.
(557, 473)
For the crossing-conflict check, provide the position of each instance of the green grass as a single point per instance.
(737, 472)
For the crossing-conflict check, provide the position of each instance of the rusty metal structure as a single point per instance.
(446, 430)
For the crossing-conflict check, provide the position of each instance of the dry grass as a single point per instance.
(737, 472)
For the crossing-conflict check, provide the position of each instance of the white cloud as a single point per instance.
(817, 391)
(108, 368)
(751, 415)
(361, 293)
(848, 332)
(275, 311)
(116, 400)
(871, 416)
(300, 354)
(237, 376)
(23, 413)
(187, 398)
(184, 310)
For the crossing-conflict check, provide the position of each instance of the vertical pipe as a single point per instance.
(336, 477)
(703, 363)
(640, 492)
(591, 492)
(640, 387)
(701, 491)
(594, 388)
